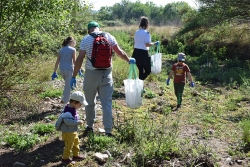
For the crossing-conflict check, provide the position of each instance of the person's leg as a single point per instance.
(105, 92)
(146, 67)
(76, 148)
(141, 72)
(176, 91)
(137, 54)
(180, 92)
(90, 90)
(69, 142)
(67, 75)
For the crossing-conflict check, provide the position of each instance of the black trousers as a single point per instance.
(178, 90)
(143, 62)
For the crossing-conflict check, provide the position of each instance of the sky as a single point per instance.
(99, 3)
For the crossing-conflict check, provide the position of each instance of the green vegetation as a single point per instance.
(214, 37)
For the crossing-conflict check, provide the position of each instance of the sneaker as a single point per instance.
(109, 134)
(68, 161)
(87, 131)
(178, 106)
(78, 158)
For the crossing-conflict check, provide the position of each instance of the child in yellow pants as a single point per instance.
(68, 123)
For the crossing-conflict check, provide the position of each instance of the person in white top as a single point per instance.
(142, 42)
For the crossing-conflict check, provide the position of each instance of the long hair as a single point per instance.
(67, 41)
(144, 22)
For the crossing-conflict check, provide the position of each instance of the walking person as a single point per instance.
(180, 70)
(68, 123)
(97, 80)
(66, 58)
(142, 42)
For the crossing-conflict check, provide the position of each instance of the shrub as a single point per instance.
(42, 129)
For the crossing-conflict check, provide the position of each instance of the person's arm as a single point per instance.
(78, 63)
(57, 63)
(120, 53)
(170, 74)
(74, 57)
(150, 44)
(189, 76)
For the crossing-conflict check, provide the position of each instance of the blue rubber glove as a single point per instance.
(54, 76)
(73, 83)
(167, 81)
(157, 43)
(80, 73)
(192, 84)
(132, 61)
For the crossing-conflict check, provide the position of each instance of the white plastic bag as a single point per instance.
(133, 92)
(156, 63)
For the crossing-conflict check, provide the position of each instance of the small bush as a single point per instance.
(150, 94)
(99, 143)
(245, 125)
(51, 92)
(42, 129)
(21, 142)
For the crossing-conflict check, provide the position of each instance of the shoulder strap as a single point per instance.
(94, 35)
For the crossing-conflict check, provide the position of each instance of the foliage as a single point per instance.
(51, 92)
(149, 94)
(21, 142)
(42, 129)
(129, 12)
(99, 143)
(245, 125)
(28, 30)
(215, 26)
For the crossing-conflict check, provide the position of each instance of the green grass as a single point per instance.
(21, 142)
(51, 92)
(42, 129)
(153, 133)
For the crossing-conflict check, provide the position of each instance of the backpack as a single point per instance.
(102, 51)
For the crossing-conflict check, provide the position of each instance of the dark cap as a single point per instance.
(93, 24)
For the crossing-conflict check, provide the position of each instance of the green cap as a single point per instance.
(93, 24)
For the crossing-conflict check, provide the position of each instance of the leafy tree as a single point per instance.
(31, 28)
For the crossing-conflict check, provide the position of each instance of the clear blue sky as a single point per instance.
(99, 3)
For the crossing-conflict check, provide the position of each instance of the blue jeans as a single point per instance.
(101, 82)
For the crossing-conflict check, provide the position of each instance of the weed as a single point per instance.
(51, 92)
(150, 94)
(42, 129)
(21, 142)
(99, 143)
(245, 125)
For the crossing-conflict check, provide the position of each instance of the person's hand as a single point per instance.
(132, 60)
(80, 73)
(73, 83)
(54, 75)
(80, 122)
(157, 43)
(192, 84)
(167, 81)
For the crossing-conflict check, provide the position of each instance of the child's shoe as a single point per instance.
(78, 158)
(68, 161)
